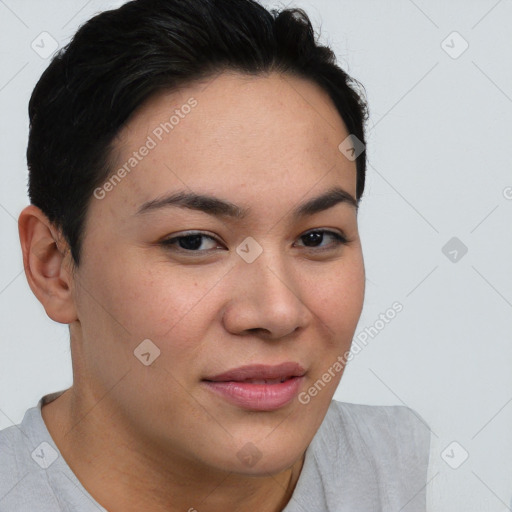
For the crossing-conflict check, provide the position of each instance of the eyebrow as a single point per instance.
(216, 207)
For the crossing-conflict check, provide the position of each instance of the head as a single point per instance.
(151, 107)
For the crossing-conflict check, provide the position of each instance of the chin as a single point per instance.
(260, 459)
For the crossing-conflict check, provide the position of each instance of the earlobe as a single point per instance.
(47, 264)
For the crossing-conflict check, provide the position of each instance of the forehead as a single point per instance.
(233, 133)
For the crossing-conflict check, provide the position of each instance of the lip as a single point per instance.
(234, 386)
(260, 371)
(257, 397)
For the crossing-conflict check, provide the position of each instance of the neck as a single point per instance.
(123, 473)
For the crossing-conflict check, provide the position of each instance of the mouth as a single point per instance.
(258, 387)
(260, 373)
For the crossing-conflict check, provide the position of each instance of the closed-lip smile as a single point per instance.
(259, 387)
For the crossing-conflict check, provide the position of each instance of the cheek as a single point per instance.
(336, 296)
(130, 299)
(123, 306)
(336, 299)
(147, 298)
(170, 305)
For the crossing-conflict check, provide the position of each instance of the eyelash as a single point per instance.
(169, 242)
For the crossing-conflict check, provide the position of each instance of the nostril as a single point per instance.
(259, 330)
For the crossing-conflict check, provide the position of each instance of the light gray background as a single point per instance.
(440, 166)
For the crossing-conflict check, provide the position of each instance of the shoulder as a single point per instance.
(24, 484)
(381, 452)
(382, 432)
(12, 448)
(373, 422)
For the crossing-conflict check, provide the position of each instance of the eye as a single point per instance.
(193, 241)
(317, 236)
(189, 242)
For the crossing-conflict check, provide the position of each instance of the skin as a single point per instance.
(153, 437)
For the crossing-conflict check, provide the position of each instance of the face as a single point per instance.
(211, 291)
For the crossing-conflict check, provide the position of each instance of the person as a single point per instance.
(195, 174)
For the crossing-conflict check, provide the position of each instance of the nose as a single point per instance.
(266, 298)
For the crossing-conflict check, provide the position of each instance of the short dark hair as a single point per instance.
(119, 58)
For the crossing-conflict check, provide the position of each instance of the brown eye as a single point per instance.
(313, 238)
(188, 242)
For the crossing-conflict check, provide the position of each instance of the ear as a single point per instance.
(47, 262)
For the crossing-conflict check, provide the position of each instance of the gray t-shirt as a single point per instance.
(363, 458)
